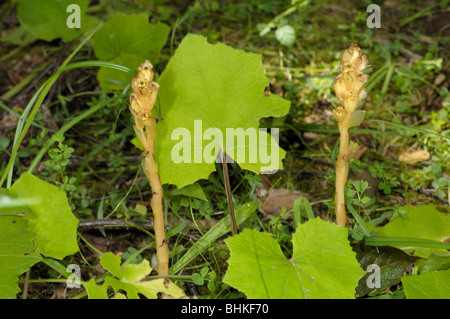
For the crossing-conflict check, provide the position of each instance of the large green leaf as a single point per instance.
(322, 265)
(422, 222)
(129, 278)
(207, 89)
(49, 216)
(431, 285)
(436, 262)
(47, 19)
(127, 40)
(16, 253)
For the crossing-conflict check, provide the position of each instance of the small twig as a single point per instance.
(25, 285)
(226, 178)
(86, 225)
(92, 224)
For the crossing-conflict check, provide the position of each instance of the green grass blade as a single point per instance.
(96, 150)
(387, 79)
(218, 230)
(302, 204)
(405, 242)
(419, 130)
(358, 219)
(65, 128)
(37, 100)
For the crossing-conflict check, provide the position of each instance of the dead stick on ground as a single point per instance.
(226, 179)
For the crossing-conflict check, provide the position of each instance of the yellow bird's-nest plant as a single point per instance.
(349, 86)
(142, 100)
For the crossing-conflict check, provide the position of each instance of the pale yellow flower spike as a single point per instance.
(142, 100)
(350, 90)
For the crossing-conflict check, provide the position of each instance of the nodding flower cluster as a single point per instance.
(350, 91)
(349, 84)
(144, 95)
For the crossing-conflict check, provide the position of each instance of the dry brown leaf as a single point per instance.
(414, 156)
(278, 198)
(358, 150)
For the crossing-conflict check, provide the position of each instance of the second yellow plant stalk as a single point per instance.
(142, 100)
(350, 91)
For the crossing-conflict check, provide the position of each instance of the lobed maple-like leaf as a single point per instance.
(431, 285)
(50, 217)
(322, 265)
(16, 253)
(205, 90)
(127, 40)
(130, 278)
(47, 19)
(421, 222)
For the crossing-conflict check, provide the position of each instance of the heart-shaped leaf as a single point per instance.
(50, 216)
(47, 19)
(127, 40)
(16, 253)
(421, 222)
(129, 278)
(431, 285)
(322, 265)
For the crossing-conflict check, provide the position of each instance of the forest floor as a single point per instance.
(394, 163)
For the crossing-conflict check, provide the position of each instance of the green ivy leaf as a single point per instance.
(215, 87)
(422, 222)
(16, 253)
(322, 265)
(47, 19)
(129, 278)
(431, 285)
(127, 40)
(50, 217)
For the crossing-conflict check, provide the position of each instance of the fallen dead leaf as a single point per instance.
(358, 150)
(414, 156)
(278, 198)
